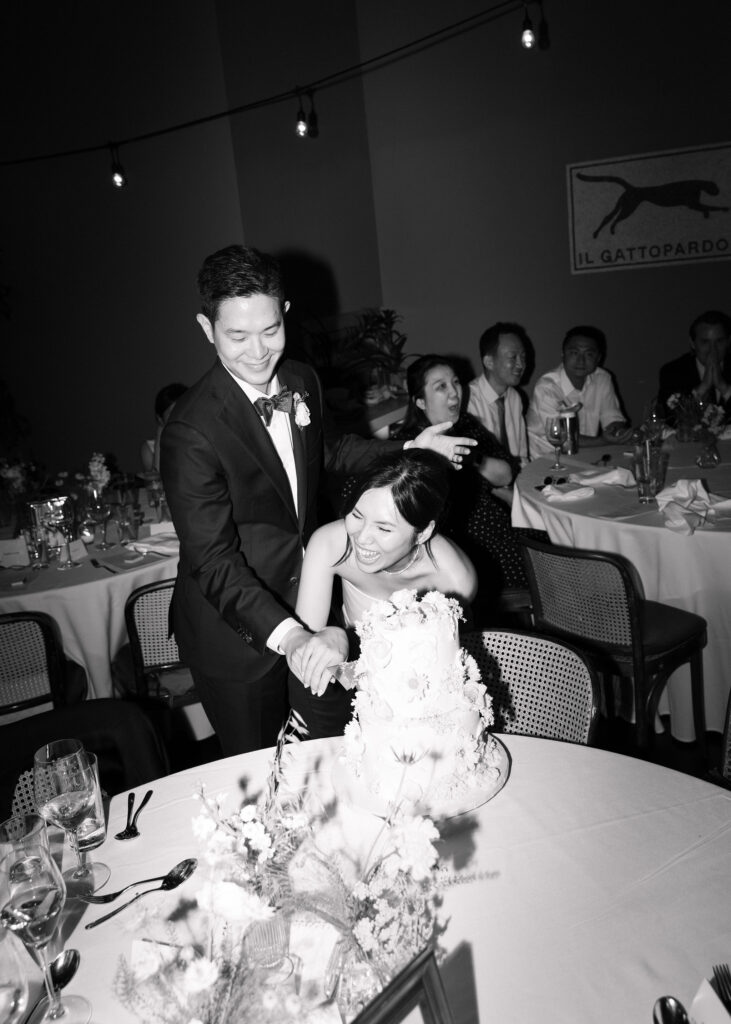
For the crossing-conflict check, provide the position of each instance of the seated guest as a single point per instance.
(477, 520)
(165, 400)
(493, 397)
(705, 371)
(579, 382)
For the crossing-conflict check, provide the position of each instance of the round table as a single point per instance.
(588, 886)
(690, 572)
(87, 603)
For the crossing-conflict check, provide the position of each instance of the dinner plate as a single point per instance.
(353, 790)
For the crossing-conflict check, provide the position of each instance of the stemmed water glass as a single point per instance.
(65, 790)
(32, 896)
(98, 512)
(557, 434)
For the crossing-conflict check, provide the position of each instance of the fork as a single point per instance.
(131, 831)
(722, 977)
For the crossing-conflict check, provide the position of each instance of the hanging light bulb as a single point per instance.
(119, 178)
(528, 38)
(301, 125)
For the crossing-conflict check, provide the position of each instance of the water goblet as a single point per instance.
(556, 435)
(67, 795)
(32, 896)
(99, 511)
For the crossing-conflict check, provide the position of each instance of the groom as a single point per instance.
(241, 469)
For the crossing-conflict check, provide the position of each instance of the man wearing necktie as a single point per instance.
(494, 399)
(241, 467)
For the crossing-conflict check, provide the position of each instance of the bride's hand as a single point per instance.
(313, 660)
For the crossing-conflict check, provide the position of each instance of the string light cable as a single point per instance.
(496, 10)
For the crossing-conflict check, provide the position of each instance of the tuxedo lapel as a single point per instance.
(246, 424)
(296, 385)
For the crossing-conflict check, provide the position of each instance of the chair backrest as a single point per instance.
(539, 686)
(584, 595)
(146, 614)
(121, 735)
(32, 664)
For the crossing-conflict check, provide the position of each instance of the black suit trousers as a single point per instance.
(246, 715)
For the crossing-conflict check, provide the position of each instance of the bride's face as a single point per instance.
(381, 537)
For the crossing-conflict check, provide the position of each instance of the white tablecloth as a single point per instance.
(590, 885)
(689, 572)
(88, 605)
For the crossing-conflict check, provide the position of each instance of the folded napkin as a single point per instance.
(160, 543)
(618, 477)
(555, 494)
(687, 505)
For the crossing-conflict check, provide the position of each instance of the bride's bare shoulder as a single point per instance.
(329, 536)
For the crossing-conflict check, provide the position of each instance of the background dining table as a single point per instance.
(87, 602)
(692, 572)
(590, 884)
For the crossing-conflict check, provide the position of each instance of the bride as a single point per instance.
(388, 540)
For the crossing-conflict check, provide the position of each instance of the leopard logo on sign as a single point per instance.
(651, 210)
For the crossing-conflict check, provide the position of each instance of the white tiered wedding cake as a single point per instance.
(419, 730)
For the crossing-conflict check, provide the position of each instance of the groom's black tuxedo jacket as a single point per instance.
(241, 540)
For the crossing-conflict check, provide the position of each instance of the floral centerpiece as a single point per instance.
(287, 922)
(693, 419)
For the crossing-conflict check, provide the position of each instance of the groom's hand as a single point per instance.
(311, 656)
(452, 448)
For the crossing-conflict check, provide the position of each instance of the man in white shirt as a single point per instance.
(494, 398)
(578, 381)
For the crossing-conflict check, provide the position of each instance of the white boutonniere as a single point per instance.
(301, 411)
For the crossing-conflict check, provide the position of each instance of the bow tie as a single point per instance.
(266, 406)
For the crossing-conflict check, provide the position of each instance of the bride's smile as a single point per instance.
(381, 537)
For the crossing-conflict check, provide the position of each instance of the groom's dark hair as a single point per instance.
(419, 481)
(234, 272)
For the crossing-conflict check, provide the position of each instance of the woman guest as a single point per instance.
(388, 540)
(478, 520)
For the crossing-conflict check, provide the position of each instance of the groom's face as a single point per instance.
(248, 335)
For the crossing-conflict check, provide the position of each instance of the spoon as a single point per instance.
(669, 1010)
(110, 897)
(175, 877)
(63, 968)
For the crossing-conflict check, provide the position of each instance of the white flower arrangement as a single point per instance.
(264, 863)
(99, 475)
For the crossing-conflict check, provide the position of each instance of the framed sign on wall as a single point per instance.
(653, 209)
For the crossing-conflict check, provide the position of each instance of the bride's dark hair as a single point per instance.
(419, 481)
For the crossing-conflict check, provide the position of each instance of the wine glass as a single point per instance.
(32, 896)
(66, 789)
(13, 982)
(59, 515)
(98, 511)
(556, 434)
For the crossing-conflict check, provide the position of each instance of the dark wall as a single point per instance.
(469, 143)
(437, 186)
(311, 199)
(102, 282)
